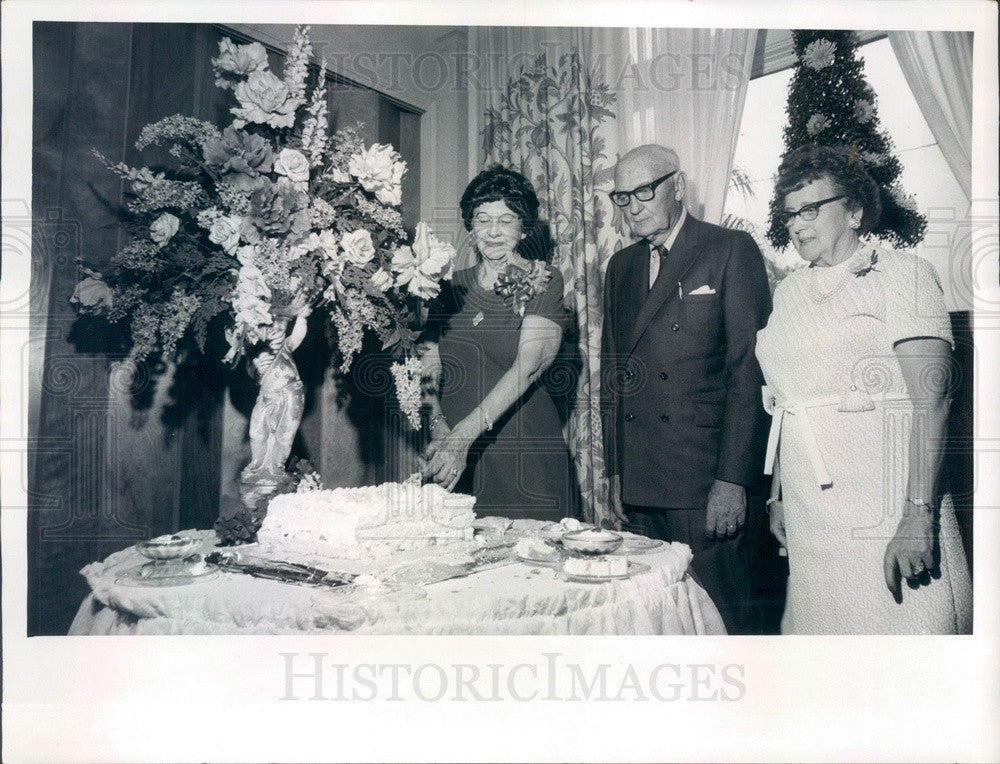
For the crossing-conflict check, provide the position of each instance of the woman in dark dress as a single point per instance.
(494, 331)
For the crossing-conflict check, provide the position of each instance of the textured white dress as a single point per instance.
(837, 392)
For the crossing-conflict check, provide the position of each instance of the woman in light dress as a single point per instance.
(856, 356)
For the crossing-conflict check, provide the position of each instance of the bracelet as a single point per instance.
(769, 502)
(918, 502)
(434, 421)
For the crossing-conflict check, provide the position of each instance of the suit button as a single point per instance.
(664, 418)
(663, 375)
(629, 417)
(675, 327)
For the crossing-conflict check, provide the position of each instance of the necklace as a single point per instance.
(819, 297)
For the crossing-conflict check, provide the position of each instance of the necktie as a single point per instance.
(657, 268)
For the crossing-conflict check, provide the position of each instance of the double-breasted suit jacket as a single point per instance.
(681, 388)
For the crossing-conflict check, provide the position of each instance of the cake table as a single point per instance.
(514, 598)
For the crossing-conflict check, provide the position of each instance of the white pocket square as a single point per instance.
(706, 289)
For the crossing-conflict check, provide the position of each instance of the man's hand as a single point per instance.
(727, 510)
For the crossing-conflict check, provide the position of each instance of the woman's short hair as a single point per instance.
(842, 167)
(498, 184)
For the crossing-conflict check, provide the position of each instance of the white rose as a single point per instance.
(358, 247)
(92, 295)
(225, 232)
(163, 228)
(293, 165)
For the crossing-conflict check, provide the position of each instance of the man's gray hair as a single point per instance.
(655, 153)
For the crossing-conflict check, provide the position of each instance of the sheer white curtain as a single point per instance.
(938, 68)
(561, 105)
(687, 92)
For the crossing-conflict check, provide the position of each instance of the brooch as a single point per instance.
(517, 286)
(871, 266)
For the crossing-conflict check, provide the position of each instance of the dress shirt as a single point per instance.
(654, 255)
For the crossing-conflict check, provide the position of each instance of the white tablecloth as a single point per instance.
(511, 599)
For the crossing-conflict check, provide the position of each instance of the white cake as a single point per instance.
(373, 521)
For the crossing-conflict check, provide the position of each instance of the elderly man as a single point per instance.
(684, 427)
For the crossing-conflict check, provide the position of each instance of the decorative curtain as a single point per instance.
(938, 69)
(561, 105)
(102, 474)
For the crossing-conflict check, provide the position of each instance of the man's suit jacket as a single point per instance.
(680, 393)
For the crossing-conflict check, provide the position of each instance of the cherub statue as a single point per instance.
(278, 411)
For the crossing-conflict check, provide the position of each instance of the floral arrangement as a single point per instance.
(517, 286)
(269, 214)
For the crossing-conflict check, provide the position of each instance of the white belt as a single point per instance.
(778, 408)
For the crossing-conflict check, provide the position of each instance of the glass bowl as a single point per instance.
(167, 547)
(592, 541)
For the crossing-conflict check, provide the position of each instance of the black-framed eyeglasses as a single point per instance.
(806, 212)
(642, 193)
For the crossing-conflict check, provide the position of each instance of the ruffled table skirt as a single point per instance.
(511, 599)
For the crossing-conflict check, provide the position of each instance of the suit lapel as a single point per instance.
(635, 280)
(682, 256)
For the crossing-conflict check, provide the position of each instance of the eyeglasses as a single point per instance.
(642, 193)
(483, 220)
(806, 212)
